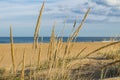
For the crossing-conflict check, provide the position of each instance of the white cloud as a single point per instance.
(56, 10)
(113, 2)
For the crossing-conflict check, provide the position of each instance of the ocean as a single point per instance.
(47, 39)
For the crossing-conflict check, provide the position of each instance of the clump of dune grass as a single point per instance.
(115, 55)
(113, 52)
(100, 48)
(111, 69)
(68, 48)
(112, 63)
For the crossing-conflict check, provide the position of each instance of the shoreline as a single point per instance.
(64, 42)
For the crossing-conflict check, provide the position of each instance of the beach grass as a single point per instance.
(58, 60)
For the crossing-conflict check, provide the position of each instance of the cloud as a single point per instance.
(101, 10)
(114, 3)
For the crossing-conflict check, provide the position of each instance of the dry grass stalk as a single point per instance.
(59, 46)
(75, 34)
(77, 56)
(23, 67)
(74, 25)
(64, 27)
(67, 47)
(19, 64)
(102, 74)
(1, 59)
(112, 63)
(51, 44)
(105, 66)
(39, 55)
(12, 51)
(37, 28)
(51, 50)
(101, 48)
(66, 54)
(30, 74)
(70, 49)
(57, 51)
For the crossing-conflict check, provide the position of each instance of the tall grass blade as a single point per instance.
(23, 67)
(101, 48)
(51, 44)
(74, 24)
(1, 59)
(80, 52)
(51, 50)
(37, 27)
(12, 51)
(64, 27)
(39, 55)
(75, 34)
(112, 63)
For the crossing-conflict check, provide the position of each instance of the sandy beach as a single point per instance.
(5, 54)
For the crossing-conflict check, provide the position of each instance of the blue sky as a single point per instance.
(103, 20)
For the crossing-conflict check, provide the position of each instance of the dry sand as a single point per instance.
(5, 54)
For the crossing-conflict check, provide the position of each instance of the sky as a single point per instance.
(102, 21)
